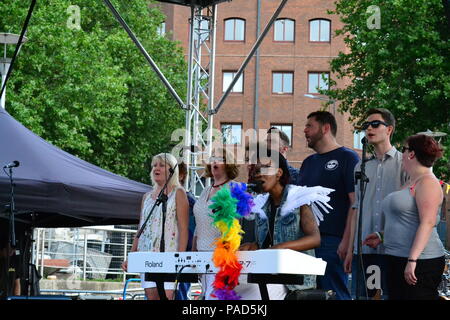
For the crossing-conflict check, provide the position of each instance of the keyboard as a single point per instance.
(265, 261)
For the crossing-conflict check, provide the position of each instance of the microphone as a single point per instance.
(364, 140)
(255, 186)
(13, 164)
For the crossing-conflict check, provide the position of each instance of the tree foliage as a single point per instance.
(402, 65)
(90, 91)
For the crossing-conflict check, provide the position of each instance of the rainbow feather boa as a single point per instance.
(229, 204)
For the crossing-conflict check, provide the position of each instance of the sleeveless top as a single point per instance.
(205, 231)
(150, 239)
(402, 221)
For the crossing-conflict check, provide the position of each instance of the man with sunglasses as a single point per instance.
(385, 174)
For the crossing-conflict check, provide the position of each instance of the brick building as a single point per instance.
(292, 58)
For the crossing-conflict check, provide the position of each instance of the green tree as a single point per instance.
(89, 90)
(398, 59)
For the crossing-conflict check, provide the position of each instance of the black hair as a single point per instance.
(325, 117)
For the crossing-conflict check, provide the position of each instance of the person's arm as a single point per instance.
(351, 218)
(429, 197)
(249, 246)
(182, 207)
(345, 242)
(194, 243)
(16, 291)
(310, 240)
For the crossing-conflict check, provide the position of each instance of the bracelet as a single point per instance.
(412, 260)
(380, 236)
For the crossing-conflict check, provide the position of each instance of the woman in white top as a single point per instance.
(223, 171)
(176, 220)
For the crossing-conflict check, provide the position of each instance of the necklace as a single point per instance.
(218, 185)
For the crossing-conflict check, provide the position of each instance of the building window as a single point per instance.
(284, 30)
(232, 133)
(317, 81)
(228, 77)
(161, 29)
(282, 82)
(319, 30)
(234, 30)
(357, 137)
(286, 128)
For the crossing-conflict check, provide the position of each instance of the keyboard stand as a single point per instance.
(262, 279)
(160, 278)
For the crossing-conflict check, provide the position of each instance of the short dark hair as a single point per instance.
(282, 164)
(325, 117)
(283, 136)
(387, 116)
(426, 149)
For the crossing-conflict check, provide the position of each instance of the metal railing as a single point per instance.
(82, 255)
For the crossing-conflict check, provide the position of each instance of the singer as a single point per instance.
(414, 251)
(176, 222)
(386, 175)
(332, 167)
(286, 218)
(205, 233)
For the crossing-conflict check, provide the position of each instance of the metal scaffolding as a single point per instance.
(199, 106)
(200, 92)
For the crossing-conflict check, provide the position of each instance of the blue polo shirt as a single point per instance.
(333, 170)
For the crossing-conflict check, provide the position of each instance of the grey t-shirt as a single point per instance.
(401, 224)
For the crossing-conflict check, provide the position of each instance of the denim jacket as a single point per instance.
(286, 228)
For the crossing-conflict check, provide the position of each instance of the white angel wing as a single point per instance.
(260, 200)
(316, 197)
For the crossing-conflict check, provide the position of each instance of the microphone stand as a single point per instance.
(361, 175)
(11, 228)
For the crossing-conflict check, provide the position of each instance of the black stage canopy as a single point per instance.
(56, 189)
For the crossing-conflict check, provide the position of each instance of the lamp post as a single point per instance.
(6, 39)
(323, 98)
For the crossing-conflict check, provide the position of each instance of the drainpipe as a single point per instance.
(256, 107)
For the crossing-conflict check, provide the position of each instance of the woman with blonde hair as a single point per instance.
(176, 220)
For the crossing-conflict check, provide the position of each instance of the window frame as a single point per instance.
(282, 82)
(319, 78)
(284, 31)
(320, 27)
(234, 29)
(234, 74)
(222, 124)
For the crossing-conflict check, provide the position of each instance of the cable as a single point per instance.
(176, 278)
(203, 295)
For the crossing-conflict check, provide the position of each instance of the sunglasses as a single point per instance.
(406, 148)
(375, 124)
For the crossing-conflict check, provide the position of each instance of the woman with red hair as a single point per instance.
(415, 252)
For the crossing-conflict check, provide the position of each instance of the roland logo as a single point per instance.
(153, 264)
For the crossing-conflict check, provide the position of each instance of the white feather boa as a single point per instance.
(316, 197)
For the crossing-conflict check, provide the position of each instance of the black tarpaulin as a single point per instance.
(57, 189)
